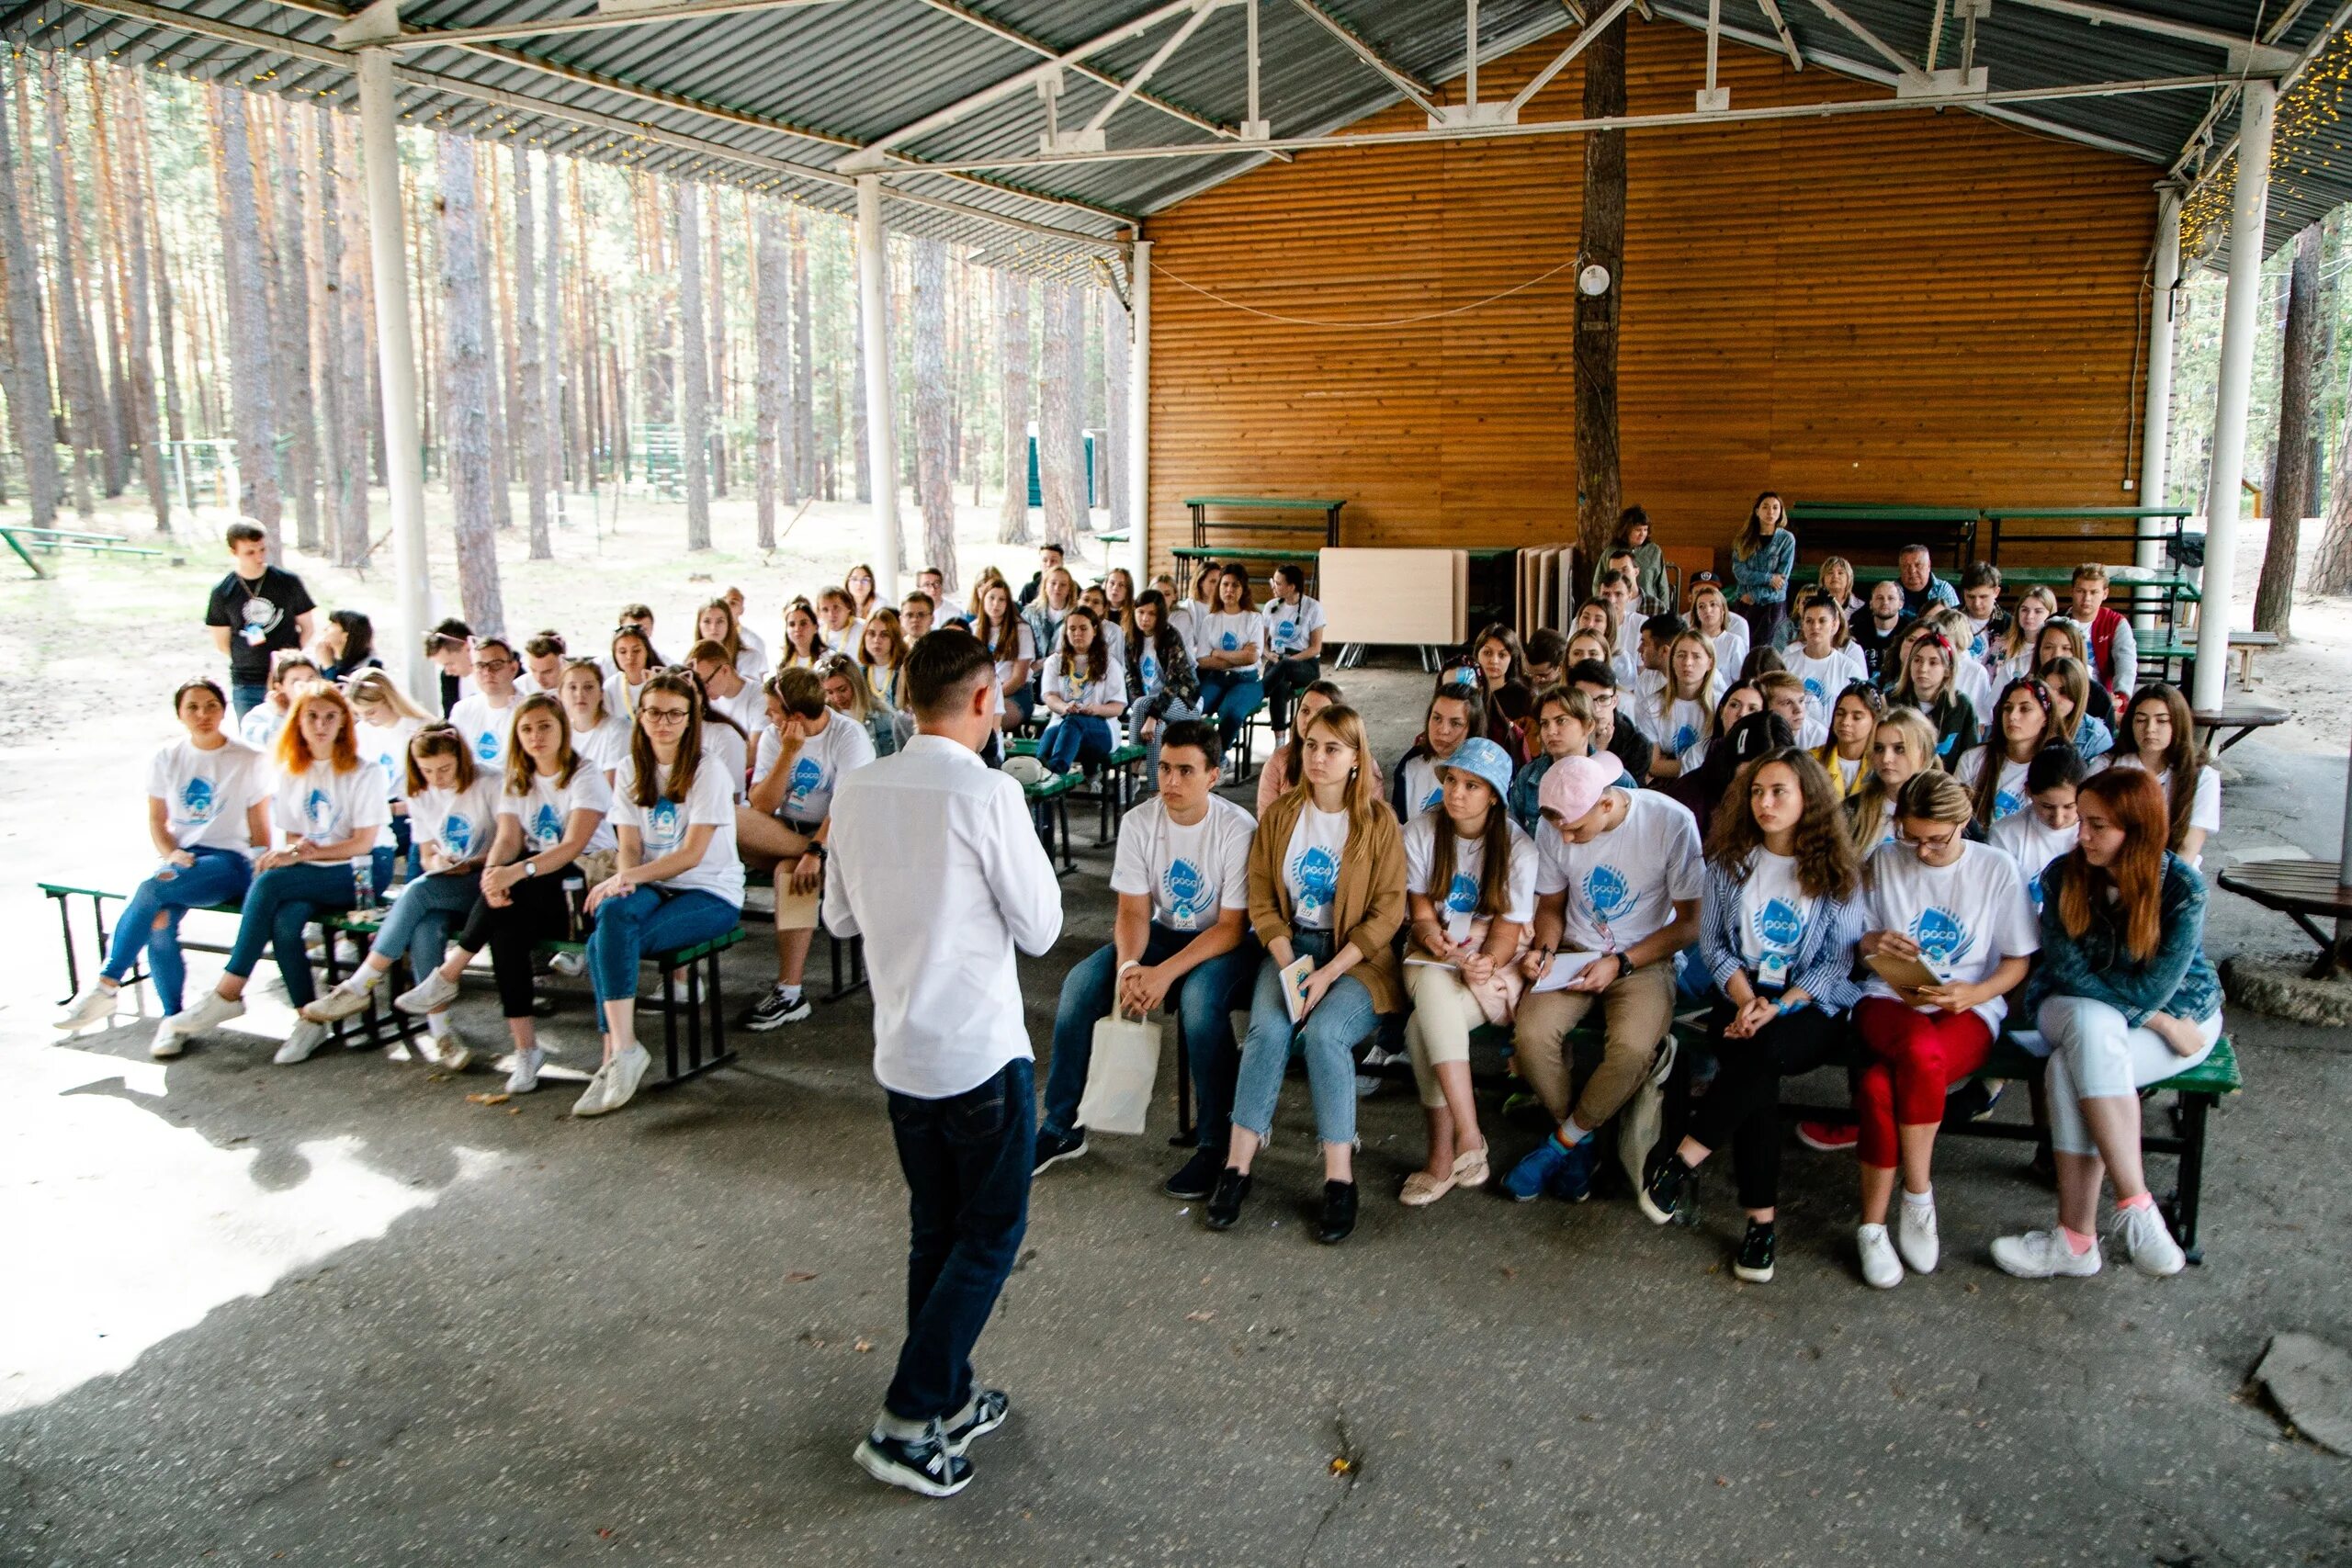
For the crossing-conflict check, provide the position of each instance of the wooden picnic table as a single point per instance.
(54, 539)
(1199, 507)
(2077, 524)
(2183, 652)
(2242, 718)
(2303, 891)
(1834, 527)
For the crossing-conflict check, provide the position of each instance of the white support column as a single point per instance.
(1138, 475)
(2156, 424)
(396, 360)
(2248, 201)
(881, 440)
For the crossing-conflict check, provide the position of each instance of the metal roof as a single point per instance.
(773, 94)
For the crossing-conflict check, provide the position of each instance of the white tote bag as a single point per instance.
(1120, 1075)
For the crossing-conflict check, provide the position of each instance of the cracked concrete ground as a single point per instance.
(338, 1315)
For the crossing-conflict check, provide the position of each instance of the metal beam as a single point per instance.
(1885, 51)
(595, 21)
(1781, 26)
(1590, 32)
(2261, 57)
(997, 30)
(1202, 11)
(2210, 166)
(1404, 81)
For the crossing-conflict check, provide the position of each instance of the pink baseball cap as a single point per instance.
(1573, 786)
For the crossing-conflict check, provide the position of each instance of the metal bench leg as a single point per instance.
(73, 965)
(1187, 1131)
(2189, 1194)
(693, 1011)
(670, 1020)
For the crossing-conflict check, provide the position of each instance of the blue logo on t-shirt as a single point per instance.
(1607, 893)
(1685, 737)
(1318, 877)
(1228, 642)
(196, 801)
(807, 776)
(456, 833)
(1943, 939)
(1780, 925)
(1152, 671)
(665, 825)
(1430, 801)
(547, 827)
(1461, 894)
(1188, 891)
(2004, 804)
(486, 746)
(2033, 891)
(1815, 689)
(319, 811)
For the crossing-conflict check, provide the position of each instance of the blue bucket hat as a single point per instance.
(1481, 758)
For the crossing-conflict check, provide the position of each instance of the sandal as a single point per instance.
(1470, 1168)
(1421, 1190)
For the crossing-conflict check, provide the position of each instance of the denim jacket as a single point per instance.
(1823, 965)
(2177, 977)
(1774, 556)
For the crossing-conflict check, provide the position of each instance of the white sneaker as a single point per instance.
(94, 1005)
(449, 1051)
(307, 1038)
(1880, 1269)
(2043, 1254)
(628, 1070)
(570, 966)
(167, 1042)
(429, 994)
(347, 1000)
(523, 1072)
(1915, 1236)
(2153, 1249)
(591, 1101)
(211, 1010)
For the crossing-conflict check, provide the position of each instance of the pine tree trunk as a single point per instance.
(114, 273)
(772, 444)
(1599, 487)
(804, 373)
(97, 429)
(717, 406)
(859, 466)
(466, 387)
(1012, 292)
(1061, 450)
(2290, 491)
(494, 277)
(290, 315)
(133, 204)
(24, 353)
(935, 454)
(694, 371)
(168, 348)
(551, 437)
(77, 368)
(1118, 374)
(249, 356)
(352, 381)
(529, 365)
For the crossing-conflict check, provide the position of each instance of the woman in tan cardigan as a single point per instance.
(1326, 884)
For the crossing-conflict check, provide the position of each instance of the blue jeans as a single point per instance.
(967, 1161)
(1203, 999)
(649, 920)
(1176, 710)
(243, 697)
(1328, 1039)
(219, 877)
(1230, 697)
(278, 905)
(417, 926)
(1072, 739)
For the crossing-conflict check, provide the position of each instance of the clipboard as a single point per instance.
(1294, 975)
(1903, 974)
(796, 912)
(1566, 967)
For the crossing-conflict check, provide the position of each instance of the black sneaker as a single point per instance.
(1755, 1262)
(988, 1411)
(1055, 1147)
(920, 1464)
(1225, 1203)
(1339, 1221)
(775, 1010)
(1665, 1195)
(1198, 1179)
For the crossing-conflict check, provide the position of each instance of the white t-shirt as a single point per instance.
(1150, 674)
(1311, 866)
(1683, 724)
(1624, 886)
(662, 826)
(607, 745)
(817, 767)
(747, 707)
(207, 794)
(1825, 677)
(753, 660)
(259, 728)
(1966, 917)
(2033, 844)
(1229, 633)
(730, 750)
(387, 747)
(1457, 902)
(620, 697)
(1968, 678)
(2008, 797)
(1848, 772)
(485, 728)
(1773, 910)
(2204, 807)
(459, 822)
(1731, 647)
(845, 641)
(1078, 692)
(1289, 628)
(1423, 790)
(1192, 874)
(546, 812)
(1026, 646)
(327, 807)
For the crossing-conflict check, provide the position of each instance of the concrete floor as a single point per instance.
(340, 1315)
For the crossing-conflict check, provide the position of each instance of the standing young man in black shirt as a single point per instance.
(255, 610)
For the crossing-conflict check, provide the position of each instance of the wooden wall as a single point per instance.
(1906, 306)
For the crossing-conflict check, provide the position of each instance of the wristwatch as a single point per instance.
(531, 868)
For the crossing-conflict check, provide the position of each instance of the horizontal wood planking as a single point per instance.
(1909, 306)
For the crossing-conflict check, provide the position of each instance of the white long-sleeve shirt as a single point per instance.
(933, 850)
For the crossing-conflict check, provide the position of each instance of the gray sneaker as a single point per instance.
(426, 994)
(299, 1045)
(628, 1069)
(592, 1099)
(523, 1072)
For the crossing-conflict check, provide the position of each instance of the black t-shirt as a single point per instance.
(261, 616)
(1632, 748)
(1863, 629)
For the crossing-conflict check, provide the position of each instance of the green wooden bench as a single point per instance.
(1285, 507)
(24, 540)
(63, 894)
(1049, 810)
(372, 1025)
(702, 1005)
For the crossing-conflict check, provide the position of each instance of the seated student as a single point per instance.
(1846, 755)
(1927, 685)
(1181, 941)
(1228, 643)
(450, 648)
(640, 618)
(2010, 653)
(1049, 558)
(753, 643)
(1738, 700)
(837, 620)
(1968, 677)
(1281, 769)
(1835, 581)
(330, 804)
(207, 804)
(723, 686)
(597, 732)
(918, 612)
(1294, 644)
(1160, 685)
(1617, 592)
(1543, 657)
(1055, 597)
(1326, 884)
(2071, 689)
(1902, 743)
(347, 645)
(1612, 731)
(1617, 891)
(1563, 727)
(1874, 630)
(1712, 618)
(2023, 723)
(633, 661)
(944, 611)
(1824, 656)
(1011, 647)
(1186, 609)
(2114, 651)
(552, 806)
(882, 658)
(803, 752)
(2061, 638)
(2046, 828)
(726, 743)
(1502, 680)
(1080, 687)
(2160, 736)
(1980, 605)
(1118, 603)
(1784, 694)
(1960, 909)
(1469, 915)
(290, 670)
(1922, 588)
(1780, 913)
(1632, 537)
(858, 584)
(1702, 790)
(1455, 713)
(981, 580)
(804, 637)
(387, 721)
(453, 807)
(2125, 998)
(542, 664)
(1583, 645)
(677, 880)
(486, 718)
(1594, 617)
(1674, 717)
(716, 622)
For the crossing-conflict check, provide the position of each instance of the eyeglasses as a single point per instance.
(665, 715)
(494, 665)
(1941, 842)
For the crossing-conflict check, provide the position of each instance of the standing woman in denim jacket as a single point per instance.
(2126, 998)
(1762, 560)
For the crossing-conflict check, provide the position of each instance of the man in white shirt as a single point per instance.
(484, 718)
(724, 686)
(933, 852)
(1181, 941)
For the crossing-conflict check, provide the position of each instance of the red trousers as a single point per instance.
(1916, 1057)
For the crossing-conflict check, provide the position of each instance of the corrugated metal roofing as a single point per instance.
(773, 99)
